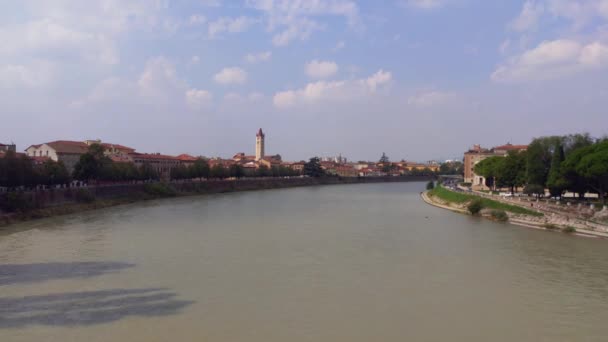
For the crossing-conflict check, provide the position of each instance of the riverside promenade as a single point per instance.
(552, 217)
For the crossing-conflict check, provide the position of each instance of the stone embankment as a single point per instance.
(53, 202)
(552, 220)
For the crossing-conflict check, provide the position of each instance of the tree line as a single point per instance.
(20, 171)
(575, 163)
(17, 171)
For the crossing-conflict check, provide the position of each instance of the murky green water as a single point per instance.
(337, 263)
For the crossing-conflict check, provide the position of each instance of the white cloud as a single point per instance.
(293, 19)
(37, 74)
(232, 75)
(197, 98)
(553, 59)
(197, 19)
(321, 69)
(424, 4)
(529, 16)
(157, 84)
(230, 25)
(159, 74)
(258, 57)
(48, 36)
(195, 60)
(378, 79)
(579, 12)
(430, 98)
(320, 91)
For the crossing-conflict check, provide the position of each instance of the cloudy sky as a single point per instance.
(417, 79)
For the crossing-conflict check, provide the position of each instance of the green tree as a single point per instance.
(236, 171)
(313, 168)
(91, 164)
(511, 170)
(263, 171)
(490, 169)
(218, 171)
(147, 172)
(200, 169)
(574, 181)
(384, 159)
(594, 167)
(539, 156)
(555, 181)
(54, 173)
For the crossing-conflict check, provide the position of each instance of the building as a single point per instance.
(160, 163)
(259, 145)
(8, 147)
(69, 152)
(477, 154)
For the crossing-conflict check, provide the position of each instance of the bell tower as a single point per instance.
(259, 145)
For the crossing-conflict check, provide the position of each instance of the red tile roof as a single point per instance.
(118, 147)
(511, 147)
(67, 146)
(186, 157)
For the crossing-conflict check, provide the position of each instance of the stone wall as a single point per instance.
(58, 197)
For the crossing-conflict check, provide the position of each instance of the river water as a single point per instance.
(367, 262)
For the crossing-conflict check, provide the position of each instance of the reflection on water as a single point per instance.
(26, 273)
(334, 263)
(86, 308)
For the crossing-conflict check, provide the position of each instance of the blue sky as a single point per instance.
(417, 79)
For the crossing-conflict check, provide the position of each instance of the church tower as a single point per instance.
(259, 145)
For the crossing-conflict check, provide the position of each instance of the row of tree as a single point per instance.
(575, 163)
(17, 171)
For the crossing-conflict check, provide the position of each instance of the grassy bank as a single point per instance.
(461, 198)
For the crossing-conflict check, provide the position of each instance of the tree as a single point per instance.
(594, 167)
(180, 172)
(384, 159)
(511, 170)
(54, 173)
(430, 185)
(218, 171)
(200, 169)
(91, 164)
(147, 172)
(236, 171)
(313, 168)
(574, 181)
(555, 181)
(490, 168)
(451, 168)
(534, 189)
(263, 171)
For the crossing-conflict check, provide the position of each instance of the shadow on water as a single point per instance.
(29, 273)
(88, 308)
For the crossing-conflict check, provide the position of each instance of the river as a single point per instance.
(367, 262)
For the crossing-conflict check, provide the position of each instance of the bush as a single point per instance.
(16, 202)
(159, 190)
(499, 215)
(550, 226)
(430, 185)
(569, 229)
(84, 196)
(475, 206)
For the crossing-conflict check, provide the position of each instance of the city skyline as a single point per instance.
(419, 80)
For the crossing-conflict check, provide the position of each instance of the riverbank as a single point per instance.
(551, 222)
(56, 202)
